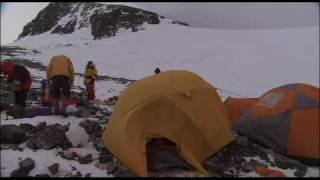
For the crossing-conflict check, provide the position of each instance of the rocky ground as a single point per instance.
(54, 146)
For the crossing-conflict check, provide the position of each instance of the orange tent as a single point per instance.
(285, 119)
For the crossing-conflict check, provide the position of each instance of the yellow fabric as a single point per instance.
(91, 72)
(177, 105)
(60, 65)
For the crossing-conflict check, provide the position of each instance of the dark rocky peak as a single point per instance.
(105, 20)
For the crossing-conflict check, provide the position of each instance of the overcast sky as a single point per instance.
(242, 15)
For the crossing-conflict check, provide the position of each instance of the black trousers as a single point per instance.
(20, 98)
(60, 83)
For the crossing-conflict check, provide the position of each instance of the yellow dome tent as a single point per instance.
(177, 105)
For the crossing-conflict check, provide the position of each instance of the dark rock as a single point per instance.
(32, 145)
(247, 167)
(12, 134)
(180, 23)
(40, 126)
(27, 127)
(255, 164)
(68, 156)
(73, 168)
(20, 173)
(285, 163)
(27, 164)
(242, 141)
(87, 175)
(82, 113)
(112, 167)
(92, 128)
(86, 159)
(103, 159)
(17, 148)
(42, 175)
(54, 168)
(122, 171)
(47, 139)
(78, 174)
(300, 172)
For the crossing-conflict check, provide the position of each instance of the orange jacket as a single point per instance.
(60, 65)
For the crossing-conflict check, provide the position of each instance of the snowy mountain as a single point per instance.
(247, 62)
(104, 20)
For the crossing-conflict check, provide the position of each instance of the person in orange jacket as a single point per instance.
(60, 73)
(89, 79)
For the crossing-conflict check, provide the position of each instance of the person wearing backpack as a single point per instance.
(60, 73)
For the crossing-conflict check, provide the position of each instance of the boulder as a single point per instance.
(12, 134)
(27, 127)
(103, 159)
(86, 159)
(19, 173)
(42, 175)
(54, 168)
(27, 164)
(111, 167)
(48, 139)
(285, 163)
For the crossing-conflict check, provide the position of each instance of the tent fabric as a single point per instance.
(177, 105)
(285, 119)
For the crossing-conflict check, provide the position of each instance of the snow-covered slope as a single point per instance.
(247, 62)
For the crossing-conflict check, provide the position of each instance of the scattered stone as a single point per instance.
(20, 172)
(42, 175)
(255, 164)
(40, 126)
(247, 167)
(285, 163)
(101, 166)
(27, 164)
(54, 168)
(16, 148)
(111, 167)
(86, 159)
(300, 172)
(79, 174)
(12, 134)
(27, 127)
(103, 159)
(68, 156)
(32, 145)
(242, 141)
(48, 139)
(123, 171)
(73, 168)
(87, 175)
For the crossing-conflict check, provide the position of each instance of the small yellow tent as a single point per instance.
(177, 105)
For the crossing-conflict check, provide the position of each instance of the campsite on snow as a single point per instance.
(222, 103)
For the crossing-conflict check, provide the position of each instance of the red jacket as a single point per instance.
(21, 74)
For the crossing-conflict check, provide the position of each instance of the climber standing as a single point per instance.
(90, 76)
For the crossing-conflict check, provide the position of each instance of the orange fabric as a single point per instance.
(310, 91)
(303, 135)
(236, 107)
(269, 172)
(287, 102)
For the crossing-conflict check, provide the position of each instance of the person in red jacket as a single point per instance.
(19, 80)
